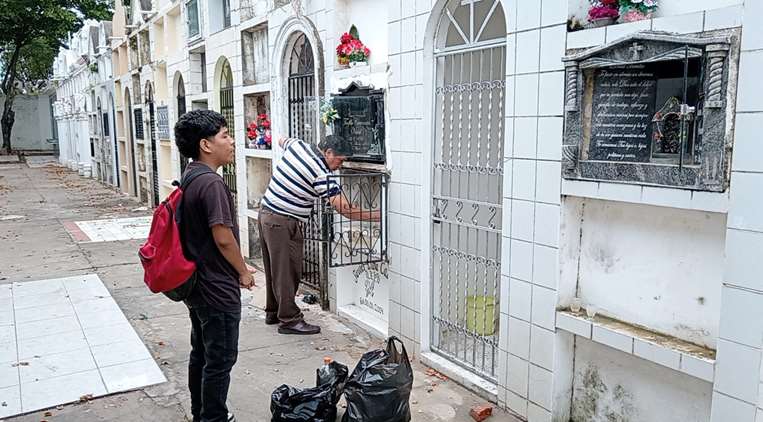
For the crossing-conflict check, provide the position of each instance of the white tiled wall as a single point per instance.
(738, 369)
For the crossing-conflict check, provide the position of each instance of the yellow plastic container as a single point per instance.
(480, 315)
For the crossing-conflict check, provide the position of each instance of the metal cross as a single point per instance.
(636, 50)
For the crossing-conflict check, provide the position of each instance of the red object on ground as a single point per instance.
(480, 413)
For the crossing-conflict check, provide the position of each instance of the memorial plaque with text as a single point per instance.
(621, 117)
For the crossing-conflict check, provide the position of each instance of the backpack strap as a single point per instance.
(192, 175)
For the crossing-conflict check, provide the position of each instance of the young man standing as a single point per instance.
(209, 232)
(299, 179)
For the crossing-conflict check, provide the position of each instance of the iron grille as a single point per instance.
(353, 242)
(302, 107)
(226, 109)
(314, 250)
(154, 160)
(138, 123)
(163, 122)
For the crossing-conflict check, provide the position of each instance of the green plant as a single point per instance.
(328, 112)
(93, 67)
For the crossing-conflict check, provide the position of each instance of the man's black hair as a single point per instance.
(336, 143)
(194, 126)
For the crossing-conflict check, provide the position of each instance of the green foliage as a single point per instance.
(34, 62)
(354, 32)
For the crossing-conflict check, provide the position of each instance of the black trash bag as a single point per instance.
(317, 404)
(380, 386)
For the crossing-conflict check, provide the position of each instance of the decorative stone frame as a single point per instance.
(719, 51)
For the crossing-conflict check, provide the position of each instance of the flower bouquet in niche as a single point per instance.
(636, 10)
(350, 49)
(602, 13)
(258, 133)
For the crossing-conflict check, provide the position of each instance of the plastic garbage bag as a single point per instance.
(317, 404)
(380, 386)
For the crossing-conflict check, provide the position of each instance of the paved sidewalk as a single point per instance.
(42, 202)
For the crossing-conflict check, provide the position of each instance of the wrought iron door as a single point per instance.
(226, 109)
(181, 111)
(467, 184)
(152, 137)
(302, 120)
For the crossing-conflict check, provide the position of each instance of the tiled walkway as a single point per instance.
(63, 339)
(109, 230)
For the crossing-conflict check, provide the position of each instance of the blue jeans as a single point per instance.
(214, 350)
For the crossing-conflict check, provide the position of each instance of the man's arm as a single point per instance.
(339, 202)
(228, 246)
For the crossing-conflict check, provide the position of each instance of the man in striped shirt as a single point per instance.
(299, 179)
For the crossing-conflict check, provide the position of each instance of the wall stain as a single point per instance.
(595, 402)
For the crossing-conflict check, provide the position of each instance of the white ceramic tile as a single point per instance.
(682, 24)
(528, 52)
(726, 17)
(725, 408)
(612, 339)
(519, 338)
(748, 146)
(408, 34)
(547, 224)
(406, 288)
(6, 313)
(710, 201)
(393, 10)
(61, 390)
(520, 299)
(9, 375)
(6, 291)
(619, 192)
(110, 334)
(517, 375)
(549, 179)
(524, 179)
(743, 265)
(746, 201)
(521, 260)
(10, 397)
(750, 67)
(759, 415)
(522, 219)
(527, 100)
(503, 337)
(666, 197)
(7, 344)
(585, 38)
(88, 293)
(38, 288)
(407, 321)
(545, 266)
(697, 367)
(119, 353)
(394, 316)
(508, 140)
(742, 316)
(552, 47)
(737, 371)
(516, 403)
(506, 222)
(508, 179)
(621, 30)
(99, 319)
(505, 298)
(657, 354)
(569, 323)
(580, 188)
(541, 384)
(536, 413)
(55, 311)
(48, 328)
(551, 94)
(550, 138)
(407, 8)
(544, 307)
(29, 348)
(394, 37)
(132, 375)
(32, 301)
(528, 14)
(525, 136)
(542, 347)
(54, 365)
(752, 36)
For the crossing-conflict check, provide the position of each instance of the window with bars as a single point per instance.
(138, 113)
(192, 13)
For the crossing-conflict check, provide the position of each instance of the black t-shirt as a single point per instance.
(207, 202)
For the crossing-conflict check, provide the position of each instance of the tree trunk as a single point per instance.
(6, 122)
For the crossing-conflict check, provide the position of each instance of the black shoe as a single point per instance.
(271, 320)
(300, 327)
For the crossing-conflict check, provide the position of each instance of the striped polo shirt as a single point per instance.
(301, 177)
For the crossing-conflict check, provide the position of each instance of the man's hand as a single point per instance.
(246, 281)
(281, 140)
(251, 269)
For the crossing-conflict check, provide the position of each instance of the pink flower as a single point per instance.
(602, 12)
(346, 37)
(634, 15)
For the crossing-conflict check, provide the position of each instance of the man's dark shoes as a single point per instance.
(299, 327)
(271, 319)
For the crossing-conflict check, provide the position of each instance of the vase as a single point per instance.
(598, 23)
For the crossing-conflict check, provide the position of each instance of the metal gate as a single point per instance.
(302, 119)
(152, 137)
(226, 109)
(467, 184)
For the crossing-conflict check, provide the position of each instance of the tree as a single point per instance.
(32, 33)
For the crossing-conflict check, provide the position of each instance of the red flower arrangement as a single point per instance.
(603, 9)
(258, 133)
(351, 49)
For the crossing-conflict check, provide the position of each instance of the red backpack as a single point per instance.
(166, 269)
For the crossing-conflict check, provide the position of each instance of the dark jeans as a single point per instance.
(214, 350)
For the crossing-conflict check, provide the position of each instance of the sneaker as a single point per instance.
(231, 417)
(300, 328)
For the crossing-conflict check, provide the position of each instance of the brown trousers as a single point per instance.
(282, 251)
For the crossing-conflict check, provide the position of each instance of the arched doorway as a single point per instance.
(129, 145)
(301, 90)
(180, 109)
(469, 90)
(226, 109)
(152, 139)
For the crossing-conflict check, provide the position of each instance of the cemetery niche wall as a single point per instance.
(652, 108)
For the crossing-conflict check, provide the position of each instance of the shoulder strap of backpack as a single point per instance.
(192, 175)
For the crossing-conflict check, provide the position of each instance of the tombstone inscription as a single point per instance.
(623, 107)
